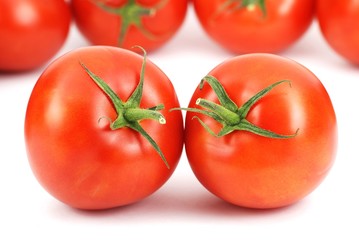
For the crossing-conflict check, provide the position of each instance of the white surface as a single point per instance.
(182, 207)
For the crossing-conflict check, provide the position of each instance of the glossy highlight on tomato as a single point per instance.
(31, 32)
(255, 25)
(230, 151)
(89, 126)
(125, 23)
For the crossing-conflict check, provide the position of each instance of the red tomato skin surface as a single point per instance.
(31, 32)
(74, 155)
(254, 171)
(248, 31)
(102, 28)
(339, 24)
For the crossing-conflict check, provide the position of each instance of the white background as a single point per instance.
(182, 207)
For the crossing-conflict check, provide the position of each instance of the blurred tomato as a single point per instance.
(255, 26)
(339, 23)
(148, 23)
(31, 32)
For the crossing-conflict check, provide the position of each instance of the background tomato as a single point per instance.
(148, 23)
(250, 29)
(259, 172)
(71, 148)
(31, 32)
(339, 24)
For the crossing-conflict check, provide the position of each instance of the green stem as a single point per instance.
(251, 3)
(234, 5)
(231, 118)
(137, 114)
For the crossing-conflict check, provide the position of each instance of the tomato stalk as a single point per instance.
(233, 5)
(229, 115)
(129, 114)
(131, 13)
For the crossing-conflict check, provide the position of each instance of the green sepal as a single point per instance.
(222, 95)
(135, 98)
(118, 104)
(129, 113)
(137, 127)
(247, 126)
(231, 117)
(131, 13)
(226, 129)
(246, 107)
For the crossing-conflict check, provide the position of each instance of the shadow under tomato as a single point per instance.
(189, 204)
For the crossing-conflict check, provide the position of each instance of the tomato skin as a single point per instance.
(249, 31)
(74, 155)
(163, 24)
(257, 172)
(339, 24)
(31, 32)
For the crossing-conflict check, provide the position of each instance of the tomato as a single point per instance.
(96, 146)
(276, 148)
(255, 25)
(125, 23)
(31, 32)
(339, 24)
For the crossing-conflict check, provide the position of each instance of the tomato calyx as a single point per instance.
(129, 113)
(233, 5)
(227, 113)
(131, 14)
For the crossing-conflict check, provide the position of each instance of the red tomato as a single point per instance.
(339, 24)
(148, 23)
(72, 149)
(250, 170)
(255, 26)
(31, 32)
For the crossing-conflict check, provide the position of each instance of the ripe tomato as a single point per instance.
(125, 23)
(31, 32)
(245, 168)
(339, 24)
(255, 25)
(75, 153)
